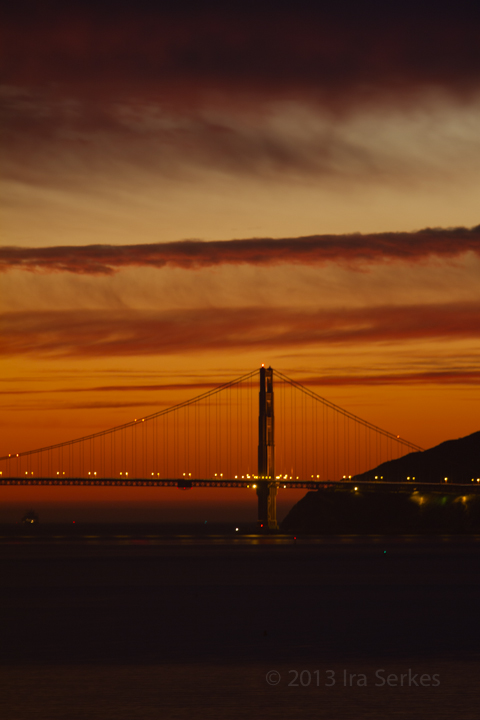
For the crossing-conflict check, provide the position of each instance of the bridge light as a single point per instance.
(319, 476)
(376, 477)
(254, 486)
(90, 473)
(126, 473)
(143, 419)
(236, 529)
(355, 488)
(284, 486)
(121, 473)
(349, 477)
(446, 479)
(26, 473)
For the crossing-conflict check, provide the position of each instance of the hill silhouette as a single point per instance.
(457, 460)
(404, 510)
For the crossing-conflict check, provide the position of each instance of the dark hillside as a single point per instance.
(458, 460)
(344, 510)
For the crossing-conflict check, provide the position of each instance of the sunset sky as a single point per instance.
(187, 193)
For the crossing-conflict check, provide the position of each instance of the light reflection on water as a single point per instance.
(422, 541)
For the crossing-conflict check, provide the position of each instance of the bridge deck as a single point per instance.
(182, 483)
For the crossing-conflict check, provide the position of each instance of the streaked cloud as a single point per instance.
(94, 334)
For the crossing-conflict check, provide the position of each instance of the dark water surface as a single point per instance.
(240, 627)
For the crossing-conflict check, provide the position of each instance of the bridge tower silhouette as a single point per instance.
(266, 487)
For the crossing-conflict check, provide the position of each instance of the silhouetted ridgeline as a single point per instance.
(457, 460)
(346, 511)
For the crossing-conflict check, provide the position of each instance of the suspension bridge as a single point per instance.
(233, 435)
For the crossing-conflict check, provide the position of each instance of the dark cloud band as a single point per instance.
(351, 249)
(337, 52)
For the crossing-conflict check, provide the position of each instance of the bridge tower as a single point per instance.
(266, 487)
